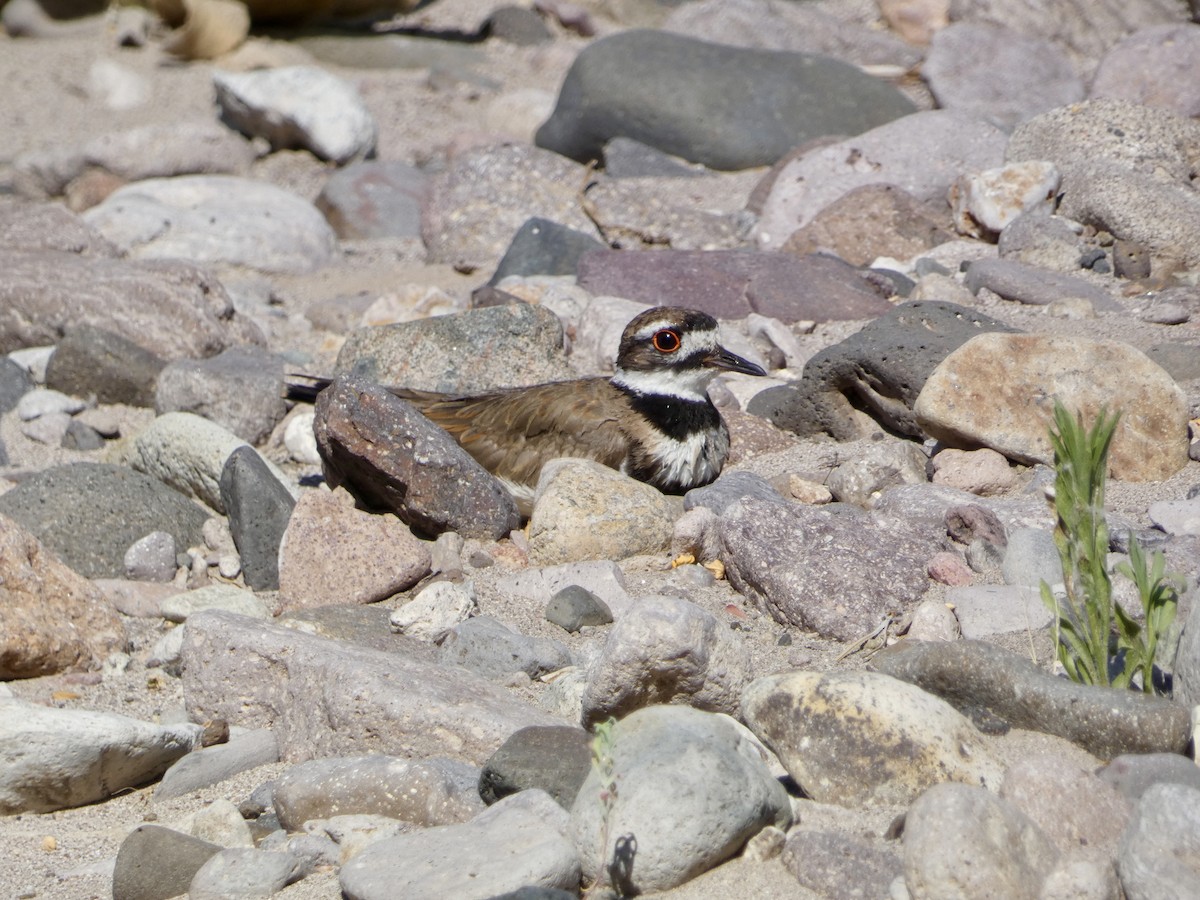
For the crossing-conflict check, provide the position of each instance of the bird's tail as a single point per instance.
(304, 388)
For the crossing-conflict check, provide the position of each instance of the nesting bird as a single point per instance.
(652, 420)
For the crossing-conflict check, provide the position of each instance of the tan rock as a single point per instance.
(52, 618)
(998, 390)
(864, 739)
(333, 553)
(984, 472)
(583, 510)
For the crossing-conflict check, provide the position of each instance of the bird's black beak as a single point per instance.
(724, 359)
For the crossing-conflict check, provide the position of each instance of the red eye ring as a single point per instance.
(666, 341)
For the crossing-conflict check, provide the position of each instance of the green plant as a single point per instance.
(1160, 599)
(604, 765)
(1084, 620)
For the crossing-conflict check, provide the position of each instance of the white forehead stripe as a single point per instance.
(689, 341)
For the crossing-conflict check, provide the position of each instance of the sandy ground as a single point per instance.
(49, 104)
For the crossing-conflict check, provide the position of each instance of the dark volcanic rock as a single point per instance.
(730, 284)
(726, 107)
(89, 513)
(974, 676)
(259, 507)
(881, 368)
(382, 450)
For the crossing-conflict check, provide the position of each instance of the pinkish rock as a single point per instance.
(54, 619)
(949, 568)
(333, 553)
(984, 472)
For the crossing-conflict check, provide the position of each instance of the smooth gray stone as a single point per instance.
(211, 765)
(240, 389)
(974, 676)
(1160, 852)
(156, 863)
(543, 247)
(726, 107)
(14, 384)
(728, 489)
(575, 606)
(242, 873)
(1135, 773)
(259, 507)
(488, 647)
(88, 514)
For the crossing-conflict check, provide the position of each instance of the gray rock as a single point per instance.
(1134, 773)
(731, 284)
(216, 219)
(603, 578)
(240, 389)
(465, 353)
(1160, 852)
(1177, 516)
(323, 697)
(228, 597)
(811, 96)
(973, 675)
(259, 508)
(435, 487)
(88, 514)
(666, 650)
(997, 73)
(585, 510)
(988, 609)
(882, 367)
(514, 843)
(155, 863)
(1126, 170)
(1154, 66)
(488, 647)
(552, 758)
(81, 436)
(729, 488)
(436, 609)
(212, 765)
(96, 361)
(518, 25)
(834, 570)
(626, 158)
(484, 195)
(298, 106)
(374, 200)
(1082, 872)
(961, 841)
(923, 153)
(58, 758)
(203, 147)
(573, 607)
(151, 558)
(426, 792)
(244, 872)
(1033, 285)
(41, 402)
(864, 739)
(169, 307)
(543, 247)
(188, 453)
(1030, 558)
(14, 384)
(713, 805)
(864, 479)
(832, 864)
(987, 393)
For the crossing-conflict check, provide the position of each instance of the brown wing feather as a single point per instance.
(511, 433)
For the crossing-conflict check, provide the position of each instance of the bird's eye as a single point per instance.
(666, 341)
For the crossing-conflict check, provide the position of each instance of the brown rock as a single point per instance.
(998, 390)
(329, 698)
(51, 618)
(390, 456)
(871, 221)
(333, 554)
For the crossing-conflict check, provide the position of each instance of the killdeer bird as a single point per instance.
(651, 420)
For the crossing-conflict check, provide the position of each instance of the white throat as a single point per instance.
(685, 384)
